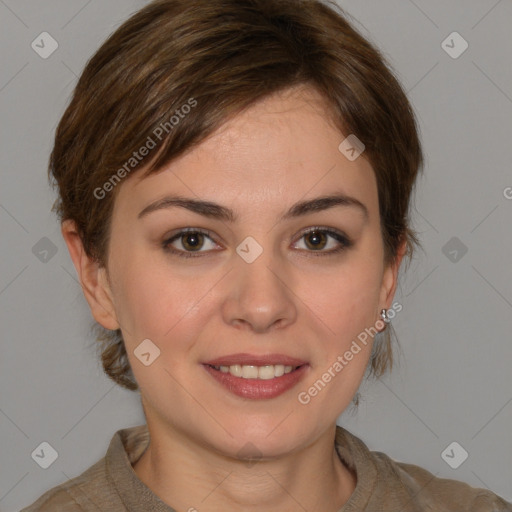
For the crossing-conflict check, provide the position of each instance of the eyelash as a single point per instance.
(343, 240)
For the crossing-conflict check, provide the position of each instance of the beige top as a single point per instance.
(383, 485)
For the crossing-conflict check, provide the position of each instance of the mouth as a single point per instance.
(257, 377)
(266, 372)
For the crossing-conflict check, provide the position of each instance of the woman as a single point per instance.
(234, 182)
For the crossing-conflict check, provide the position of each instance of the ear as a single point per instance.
(93, 278)
(390, 278)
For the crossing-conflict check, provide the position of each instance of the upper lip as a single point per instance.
(255, 360)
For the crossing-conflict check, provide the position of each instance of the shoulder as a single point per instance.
(430, 492)
(385, 484)
(56, 499)
(75, 495)
(103, 482)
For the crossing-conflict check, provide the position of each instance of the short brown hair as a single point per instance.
(224, 56)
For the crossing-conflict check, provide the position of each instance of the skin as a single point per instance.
(293, 300)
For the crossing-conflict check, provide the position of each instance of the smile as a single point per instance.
(265, 372)
(256, 382)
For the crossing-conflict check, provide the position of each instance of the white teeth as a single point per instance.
(236, 370)
(249, 372)
(266, 372)
(279, 370)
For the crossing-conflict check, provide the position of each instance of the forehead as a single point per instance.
(277, 151)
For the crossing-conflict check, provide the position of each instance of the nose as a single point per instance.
(260, 296)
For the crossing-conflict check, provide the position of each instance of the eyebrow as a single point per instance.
(217, 211)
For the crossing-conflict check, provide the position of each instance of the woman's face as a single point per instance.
(248, 287)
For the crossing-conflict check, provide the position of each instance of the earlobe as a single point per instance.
(92, 277)
(390, 278)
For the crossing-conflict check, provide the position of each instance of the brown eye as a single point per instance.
(323, 241)
(315, 240)
(192, 241)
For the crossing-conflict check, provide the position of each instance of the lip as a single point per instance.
(256, 360)
(257, 389)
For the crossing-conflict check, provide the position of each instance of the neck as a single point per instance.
(188, 476)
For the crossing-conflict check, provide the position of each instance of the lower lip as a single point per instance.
(258, 389)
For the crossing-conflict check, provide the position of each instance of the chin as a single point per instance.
(266, 439)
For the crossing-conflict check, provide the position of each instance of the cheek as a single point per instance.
(346, 301)
(155, 302)
(348, 307)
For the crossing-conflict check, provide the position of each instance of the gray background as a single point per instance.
(454, 381)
